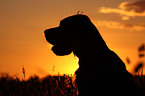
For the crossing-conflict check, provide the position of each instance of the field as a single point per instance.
(48, 86)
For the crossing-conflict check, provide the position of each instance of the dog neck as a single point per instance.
(88, 52)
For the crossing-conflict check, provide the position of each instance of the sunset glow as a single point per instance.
(22, 42)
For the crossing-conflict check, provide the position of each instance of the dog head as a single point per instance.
(72, 30)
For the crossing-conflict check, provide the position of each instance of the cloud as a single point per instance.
(127, 9)
(118, 25)
(138, 6)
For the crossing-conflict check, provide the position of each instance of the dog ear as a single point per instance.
(61, 50)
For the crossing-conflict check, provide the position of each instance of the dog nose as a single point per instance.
(52, 35)
(52, 30)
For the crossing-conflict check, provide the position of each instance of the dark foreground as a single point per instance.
(48, 86)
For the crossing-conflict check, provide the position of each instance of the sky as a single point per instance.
(22, 23)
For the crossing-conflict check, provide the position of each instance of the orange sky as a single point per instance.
(22, 42)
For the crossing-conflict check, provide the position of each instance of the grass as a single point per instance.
(48, 86)
(34, 86)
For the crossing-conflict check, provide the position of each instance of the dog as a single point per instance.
(101, 71)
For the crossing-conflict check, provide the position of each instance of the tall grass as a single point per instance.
(48, 86)
(34, 86)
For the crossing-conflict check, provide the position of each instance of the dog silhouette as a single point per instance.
(101, 71)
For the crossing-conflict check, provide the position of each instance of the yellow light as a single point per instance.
(78, 61)
(76, 58)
